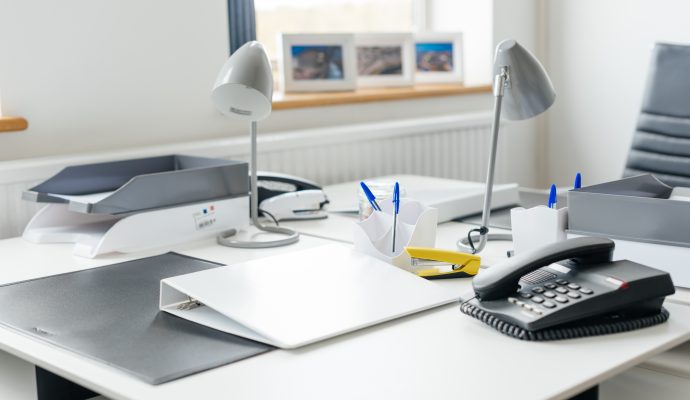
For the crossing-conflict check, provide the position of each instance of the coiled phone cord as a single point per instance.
(569, 332)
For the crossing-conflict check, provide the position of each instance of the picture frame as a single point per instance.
(385, 59)
(439, 57)
(317, 62)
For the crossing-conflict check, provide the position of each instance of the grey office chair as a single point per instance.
(661, 143)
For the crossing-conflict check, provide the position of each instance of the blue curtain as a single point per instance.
(242, 23)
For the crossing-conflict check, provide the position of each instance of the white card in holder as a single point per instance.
(537, 226)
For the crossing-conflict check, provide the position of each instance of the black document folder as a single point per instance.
(111, 314)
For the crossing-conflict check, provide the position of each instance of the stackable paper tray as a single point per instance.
(639, 208)
(143, 184)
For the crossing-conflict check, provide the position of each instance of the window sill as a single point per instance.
(288, 101)
(12, 124)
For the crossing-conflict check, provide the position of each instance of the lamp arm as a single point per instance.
(500, 82)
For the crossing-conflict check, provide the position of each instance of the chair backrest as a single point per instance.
(661, 143)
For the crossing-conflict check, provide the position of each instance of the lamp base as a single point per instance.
(464, 243)
(258, 238)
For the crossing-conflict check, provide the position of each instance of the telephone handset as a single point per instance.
(502, 280)
(569, 289)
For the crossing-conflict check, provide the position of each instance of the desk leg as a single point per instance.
(589, 394)
(52, 387)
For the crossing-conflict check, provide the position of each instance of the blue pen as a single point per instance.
(370, 196)
(552, 197)
(578, 181)
(396, 202)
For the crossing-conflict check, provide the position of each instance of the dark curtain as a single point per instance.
(242, 23)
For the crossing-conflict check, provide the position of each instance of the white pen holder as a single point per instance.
(537, 226)
(416, 226)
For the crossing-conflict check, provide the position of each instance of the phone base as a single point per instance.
(600, 326)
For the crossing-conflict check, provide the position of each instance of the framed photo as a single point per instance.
(317, 62)
(438, 57)
(384, 59)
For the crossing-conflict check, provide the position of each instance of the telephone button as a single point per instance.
(538, 290)
(513, 300)
(550, 285)
(538, 299)
(549, 294)
(586, 290)
(525, 295)
(561, 281)
(527, 307)
(561, 290)
(574, 295)
(561, 299)
(548, 304)
(574, 286)
(537, 311)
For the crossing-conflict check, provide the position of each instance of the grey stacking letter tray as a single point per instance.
(639, 208)
(132, 205)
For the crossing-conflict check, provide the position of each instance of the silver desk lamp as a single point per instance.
(523, 89)
(244, 89)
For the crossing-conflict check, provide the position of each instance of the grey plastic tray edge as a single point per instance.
(101, 207)
(647, 219)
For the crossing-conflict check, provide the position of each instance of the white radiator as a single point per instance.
(449, 147)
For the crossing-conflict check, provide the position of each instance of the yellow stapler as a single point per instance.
(432, 263)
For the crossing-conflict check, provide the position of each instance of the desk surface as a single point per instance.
(435, 354)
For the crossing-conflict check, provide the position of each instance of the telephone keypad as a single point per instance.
(549, 295)
(548, 304)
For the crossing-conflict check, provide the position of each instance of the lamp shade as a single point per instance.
(244, 87)
(528, 91)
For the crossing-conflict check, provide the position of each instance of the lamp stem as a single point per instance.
(226, 239)
(486, 211)
(499, 85)
(253, 184)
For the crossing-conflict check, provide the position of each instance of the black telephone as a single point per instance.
(569, 289)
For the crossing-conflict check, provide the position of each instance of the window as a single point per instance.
(329, 16)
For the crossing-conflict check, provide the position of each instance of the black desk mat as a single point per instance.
(111, 314)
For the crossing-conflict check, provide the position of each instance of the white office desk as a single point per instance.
(436, 354)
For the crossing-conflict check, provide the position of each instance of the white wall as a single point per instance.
(94, 76)
(102, 75)
(519, 20)
(598, 59)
